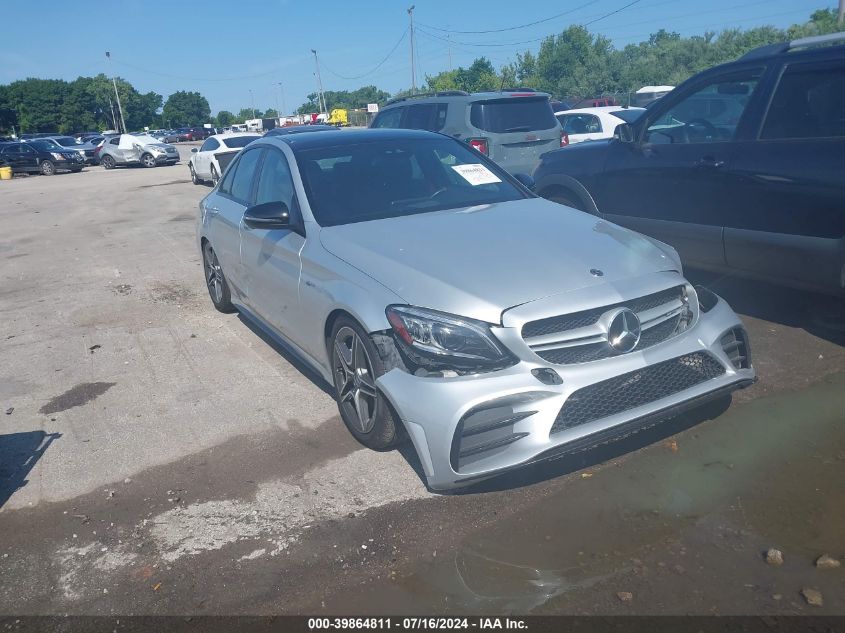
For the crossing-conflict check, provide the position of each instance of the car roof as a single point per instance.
(468, 97)
(234, 134)
(299, 129)
(606, 109)
(337, 138)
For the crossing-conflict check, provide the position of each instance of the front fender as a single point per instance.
(550, 181)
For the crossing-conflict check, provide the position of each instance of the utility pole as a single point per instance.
(252, 102)
(282, 92)
(319, 83)
(841, 11)
(413, 62)
(116, 95)
(449, 37)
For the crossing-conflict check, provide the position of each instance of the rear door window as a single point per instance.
(428, 116)
(809, 102)
(514, 114)
(389, 118)
(581, 124)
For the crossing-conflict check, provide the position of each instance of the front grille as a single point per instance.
(553, 325)
(598, 351)
(636, 388)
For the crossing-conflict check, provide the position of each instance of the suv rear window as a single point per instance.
(514, 114)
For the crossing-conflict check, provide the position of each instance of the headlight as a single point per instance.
(158, 150)
(436, 339)
(57, 156)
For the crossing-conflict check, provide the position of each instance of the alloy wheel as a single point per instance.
(213, 274)
(354, 379)
(148, 160)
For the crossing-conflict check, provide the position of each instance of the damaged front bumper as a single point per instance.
(472, 427)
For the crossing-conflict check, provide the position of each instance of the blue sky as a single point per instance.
(234, 52)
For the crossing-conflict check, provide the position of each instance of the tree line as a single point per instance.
(576, 63)
(572, 64)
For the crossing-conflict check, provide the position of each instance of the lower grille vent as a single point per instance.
(634, 389)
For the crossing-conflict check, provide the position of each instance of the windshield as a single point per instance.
(514, 114)
(629, 116)
(45, 145)
(239, 141)
(386, 179)
(67, 141)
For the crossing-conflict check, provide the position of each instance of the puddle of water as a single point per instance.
(776, 463)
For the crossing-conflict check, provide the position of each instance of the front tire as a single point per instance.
(194, 178)
(107, 162)
(148, 161)
(47, 168)
(356, 365)
(215, 281)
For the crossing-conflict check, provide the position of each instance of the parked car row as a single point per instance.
(554, 328)
(739, 168)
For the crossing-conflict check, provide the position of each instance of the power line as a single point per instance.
(607, 15)
(513, 28)
(531, 41)
(376, 67)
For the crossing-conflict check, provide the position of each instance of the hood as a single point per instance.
(598, 146)
(480, 261)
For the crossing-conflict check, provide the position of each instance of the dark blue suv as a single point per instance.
(741, 168)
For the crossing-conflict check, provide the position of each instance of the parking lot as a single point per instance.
(159, 457)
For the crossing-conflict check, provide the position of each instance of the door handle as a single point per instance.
(709, 162)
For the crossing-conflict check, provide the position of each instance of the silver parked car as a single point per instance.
(129, 149)
(446, 302)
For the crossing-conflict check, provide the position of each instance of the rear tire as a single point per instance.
(215, 178)
(356, 365)
(107, 162)
(148, 160)
(47, 168)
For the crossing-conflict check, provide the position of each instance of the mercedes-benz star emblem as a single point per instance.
(623, 331)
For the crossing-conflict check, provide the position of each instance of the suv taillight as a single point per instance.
(480, 144)
(564, 139)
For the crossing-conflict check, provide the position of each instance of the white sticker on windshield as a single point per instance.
(476, 174)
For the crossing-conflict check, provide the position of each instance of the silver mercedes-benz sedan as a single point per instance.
(447, 303)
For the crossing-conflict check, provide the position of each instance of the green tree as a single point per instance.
(225, 118)
(185, 108)
(270, 113)
(248, 113)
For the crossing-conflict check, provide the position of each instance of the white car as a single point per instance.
(209, 161)
(590, 124)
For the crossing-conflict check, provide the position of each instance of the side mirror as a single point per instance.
(624, 132)
(269, 215)
(194, 150)
(526, 180)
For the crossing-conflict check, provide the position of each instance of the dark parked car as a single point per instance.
(741, 168)
(40, 156)
(85, 149)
